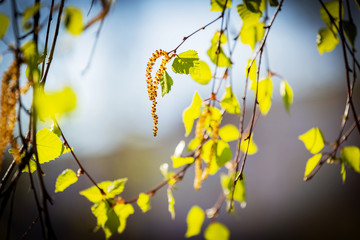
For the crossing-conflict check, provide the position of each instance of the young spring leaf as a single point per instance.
(229, 133)
(171, 201)
(193, 144)
(350, 31)
(311, 164)
(252, 146)
(251, 33)
(32, 165)
(239, 192)
(216, 154)
(253, 5)
(143, 202)
(49, 145)
(165, 82)
(218, 5)
(181, 161)
(333, 9)
(313, 140)
(65, 179)
(343, 172)
(111, 189)
(184, 61)
(287, 94)
(265, 89)
(73, 20)
(229, 102)
(191, 113)
(273, 3)
(123, 211)
(218, 57)
(350, 155)
(217, 231)
(100, 211)
(56, 103)
(251, 73)
(326, 40)
(194, 220)
(4, 24)
(201, 72)
(246, 15)
(29, 13)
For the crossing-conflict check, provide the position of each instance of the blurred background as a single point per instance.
(111, 129)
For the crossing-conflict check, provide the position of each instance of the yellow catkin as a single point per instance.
(9, 98)
(198, 173)
(15, 150)
(152, 84)
(215, 138)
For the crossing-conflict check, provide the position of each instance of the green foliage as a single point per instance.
(246, 15)
(171, 202)
(65, 179)
(29, 13)
(201, 72)
(350, 155)
(181, 161)
(193, 144)
(350, 31)
(311, 164)
(73, 20)
(229, 133)
(239, 191)
(313, 140)
(273, 3)
(165, 82)
(218, 5)
(57, 103)
(144, 202)
(251, 149)
(216, 53)
(194, 220)
(343, 172)
(251, 73)
(326, 40)
(217, 158)
(191, 113)
(253, 5)
(229, 102)
(333, 8)
(123, 211)
(49, 145)
(111, 189)
(184, 61)
(4, 24)
(287, 94)
(217, 231)
(264, 94)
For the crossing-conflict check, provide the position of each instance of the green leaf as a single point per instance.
(333, 8)
(252, 146)
(143, 202)
(287, 94)
(56, 103)
(33, 167)
(106, 218)
(29, 13)
(218, 5)
(251, 33)
(219, 157)
(181, 161)
(229, 133)
(350, 155)
(311, 164)
(326, 40)
(193, 144)
(253, 5)
(229, 102)
(4, 24)
(73, 20)
(49, 145)
(194, 221)
(313, 140)
(184, 61)
(165, 82)
(343, 172)
(65, 179)
(350, 31)
(216, 231)
(171, 201)
(191, 113)
(239, 192)
(123, 211)
(215, 39)
(201, 72)
(248, 16)
(273, 3)
(264, 96)
(221, 60)
(100, 211)
(251, 73)
(111, 189)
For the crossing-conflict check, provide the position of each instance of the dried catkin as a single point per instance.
(9, 98)
(152, 84)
